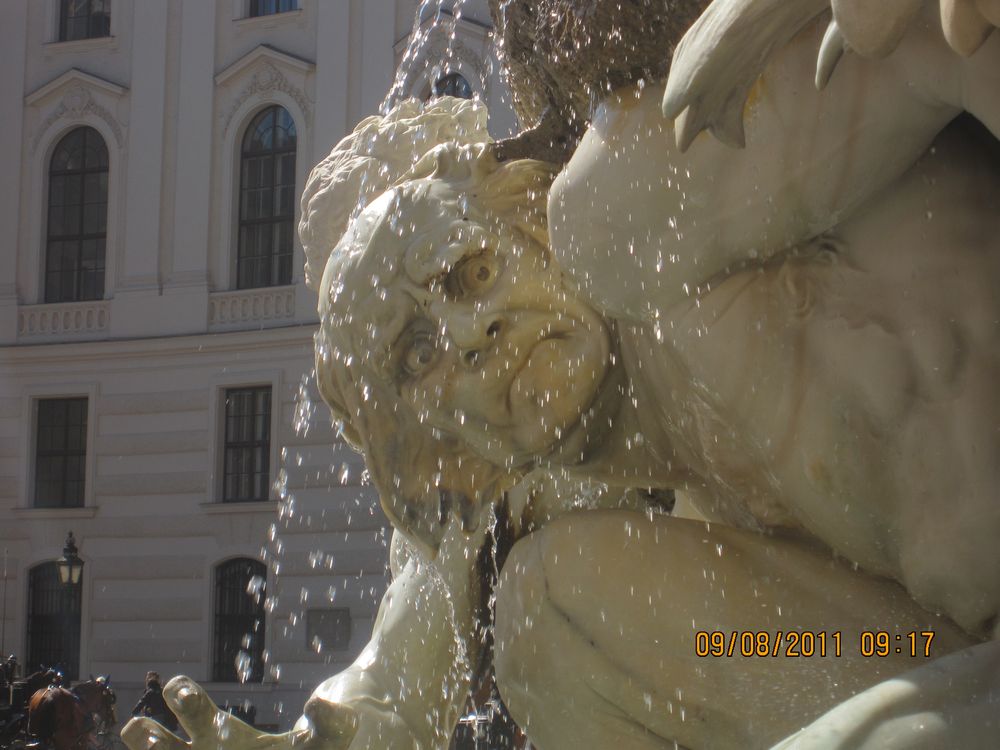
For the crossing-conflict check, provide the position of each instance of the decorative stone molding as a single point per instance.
(235, 309)
(62, 319)
(75, 104)
(78, 101)
(267, 77)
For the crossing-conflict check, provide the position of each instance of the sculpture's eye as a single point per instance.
(472, 276)
(420, 353)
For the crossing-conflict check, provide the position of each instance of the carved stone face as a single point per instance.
(461, 326)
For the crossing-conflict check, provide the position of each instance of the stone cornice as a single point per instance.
(74, 75)
(263, 52)
(119, 349)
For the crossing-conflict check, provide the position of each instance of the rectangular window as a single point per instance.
(246, 453)
(61, 453)
(84, 19)
(270, 7)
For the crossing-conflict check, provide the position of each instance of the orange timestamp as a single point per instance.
(809, 643)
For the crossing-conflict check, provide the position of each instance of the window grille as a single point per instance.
(247, 452)
(267, 201)
(61, 453)
(239, 621)
(271, 7)
(77, 218)
(53, 622)
(84, 19)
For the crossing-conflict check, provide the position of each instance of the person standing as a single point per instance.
(151, 703)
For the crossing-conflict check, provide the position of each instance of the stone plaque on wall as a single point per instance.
(328, 629)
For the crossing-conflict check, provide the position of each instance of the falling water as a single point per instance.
(433, 18)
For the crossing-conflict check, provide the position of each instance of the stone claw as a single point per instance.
(831, 50)
(720, 58)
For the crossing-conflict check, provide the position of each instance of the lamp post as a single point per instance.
(3, 616)
(70, 566)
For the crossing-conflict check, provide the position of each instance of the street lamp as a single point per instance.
(70, 565)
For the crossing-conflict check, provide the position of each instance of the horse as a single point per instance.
(13, 721)
(56, 717)
(98, 701)
(42, 679)
(69, 719)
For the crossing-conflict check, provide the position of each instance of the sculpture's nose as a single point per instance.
(474, 333)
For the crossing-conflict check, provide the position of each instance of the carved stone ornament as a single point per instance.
(75, 104)
(267, 79)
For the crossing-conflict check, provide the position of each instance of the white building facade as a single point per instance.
(156, 334)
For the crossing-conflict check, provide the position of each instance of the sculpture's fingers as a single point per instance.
(145, 734)
(194, 709)
(208, 725)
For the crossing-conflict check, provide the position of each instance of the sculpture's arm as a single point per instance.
(409, 684)
(404, 692)
(727, 49)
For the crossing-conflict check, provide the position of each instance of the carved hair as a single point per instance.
(369, 161)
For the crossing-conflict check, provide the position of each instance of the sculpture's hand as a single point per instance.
(211, 728)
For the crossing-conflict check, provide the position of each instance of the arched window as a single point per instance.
(452, 84)
(77, 218)
(267, 201)
(53, 622)
(238, 655)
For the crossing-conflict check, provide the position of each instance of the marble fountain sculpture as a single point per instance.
(792, 324)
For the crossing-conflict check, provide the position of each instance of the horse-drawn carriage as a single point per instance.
(39, 712)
